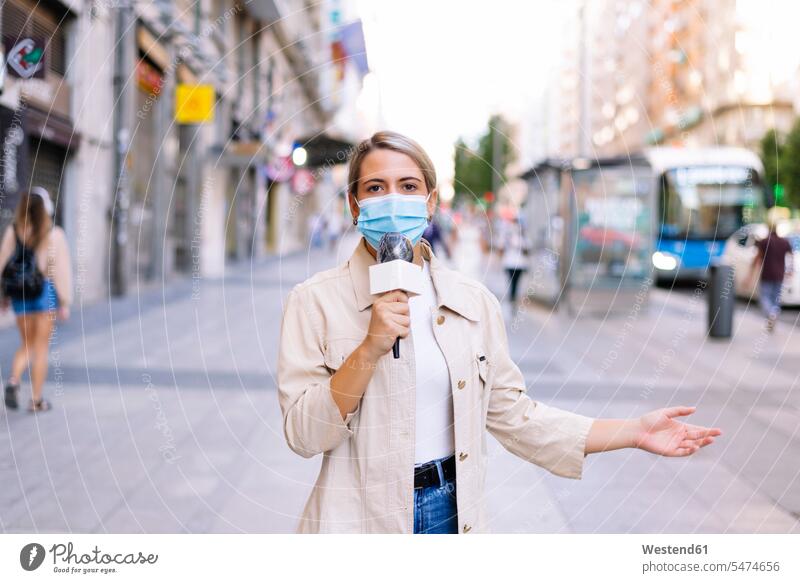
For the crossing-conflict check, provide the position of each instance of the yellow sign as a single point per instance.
(194, 103)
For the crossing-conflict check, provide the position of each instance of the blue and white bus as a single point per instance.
(704, 195)
(607, 226)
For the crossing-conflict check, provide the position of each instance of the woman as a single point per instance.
(514, 247)
(403, 439)
(33, 230)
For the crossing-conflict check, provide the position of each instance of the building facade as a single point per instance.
(142, 195)
(674, 72)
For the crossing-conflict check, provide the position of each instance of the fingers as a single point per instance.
(398, 325)
(401, 319)
(397, 308)
(397, 295)
(402, 324)
(679, 411)
(398, 332)
(690, 443)
(701, 432)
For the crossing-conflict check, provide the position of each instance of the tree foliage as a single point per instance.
(781, 158)
(481, 169)
(790, 166)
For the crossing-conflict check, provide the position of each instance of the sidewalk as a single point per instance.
(658, 355)
(166, 419)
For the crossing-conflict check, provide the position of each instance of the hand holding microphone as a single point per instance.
(395, 276)
(390, 320)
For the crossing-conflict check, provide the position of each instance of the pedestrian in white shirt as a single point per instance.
(514, 246)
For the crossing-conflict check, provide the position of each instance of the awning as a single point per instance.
(543, 166)
(323, 150)
(52, 128)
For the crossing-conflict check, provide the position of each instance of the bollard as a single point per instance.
(721, 301)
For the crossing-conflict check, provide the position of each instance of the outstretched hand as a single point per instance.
(661, 433)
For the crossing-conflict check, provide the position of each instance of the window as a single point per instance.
(707, 202)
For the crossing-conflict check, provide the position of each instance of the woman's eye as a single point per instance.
(369, 188)
(409, 186)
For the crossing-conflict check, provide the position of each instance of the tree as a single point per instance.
(771, 147)
(482, 169)
(790, 166)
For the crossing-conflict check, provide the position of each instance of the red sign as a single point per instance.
(149, 78)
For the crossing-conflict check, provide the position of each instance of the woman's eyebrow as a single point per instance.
(374, 180)
(410, 178)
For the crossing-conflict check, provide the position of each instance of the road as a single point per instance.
(166, 419)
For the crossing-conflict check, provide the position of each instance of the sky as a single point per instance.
(440, 69)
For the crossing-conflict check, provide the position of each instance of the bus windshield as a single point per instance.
(708, 202)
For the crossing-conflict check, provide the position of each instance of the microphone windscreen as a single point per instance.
(394, 246)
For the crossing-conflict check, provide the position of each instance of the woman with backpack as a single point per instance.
(37, 283)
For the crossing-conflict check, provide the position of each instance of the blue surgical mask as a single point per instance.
(393, 213)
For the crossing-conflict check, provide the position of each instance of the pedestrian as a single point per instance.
(433, 235)
(772, 267)
(40, 247)
(514, 247)
(403, 439)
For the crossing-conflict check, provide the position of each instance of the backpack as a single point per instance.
(21, 278)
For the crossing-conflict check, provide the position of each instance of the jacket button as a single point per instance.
(462, 383)
(467, 528)
(440, 320)
(462, 456)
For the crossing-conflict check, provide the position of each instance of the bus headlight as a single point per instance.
(664, 261)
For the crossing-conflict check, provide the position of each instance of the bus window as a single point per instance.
(708, 202)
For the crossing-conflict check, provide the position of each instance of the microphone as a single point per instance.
(395, 270)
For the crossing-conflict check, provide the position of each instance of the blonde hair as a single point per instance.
(390, 141)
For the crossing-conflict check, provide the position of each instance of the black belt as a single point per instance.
(427, 475)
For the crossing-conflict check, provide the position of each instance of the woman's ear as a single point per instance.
(351, 200)
(433, 202)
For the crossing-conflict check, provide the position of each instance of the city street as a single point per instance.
(166, 419)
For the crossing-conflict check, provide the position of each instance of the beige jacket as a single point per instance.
(52, 257)
(365, 484)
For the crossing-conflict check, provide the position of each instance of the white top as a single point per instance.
(434, 418)
(513, 245)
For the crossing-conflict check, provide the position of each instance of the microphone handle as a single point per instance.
(396, 348)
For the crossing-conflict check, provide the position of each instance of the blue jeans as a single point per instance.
(435, 509)
(769, 294)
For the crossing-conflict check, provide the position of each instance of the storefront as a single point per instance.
(35, 152)
(241, 212)
(51, 142)
(143, 234)
(37, 133)
(13, 162)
